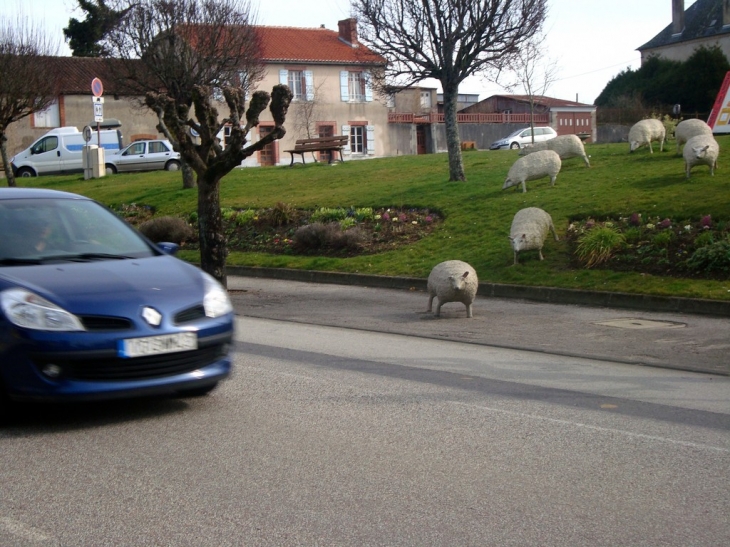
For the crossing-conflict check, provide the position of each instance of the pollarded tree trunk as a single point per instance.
(8, 169)
(453, 142)
(188, 175)
(210, 225)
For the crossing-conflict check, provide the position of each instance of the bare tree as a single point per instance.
(534, 73)
(186, 57)
(27, 82)
(448, 40)
(307, 112)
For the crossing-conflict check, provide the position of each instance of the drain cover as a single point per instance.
(640, 324)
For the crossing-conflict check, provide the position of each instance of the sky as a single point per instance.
(591, 41)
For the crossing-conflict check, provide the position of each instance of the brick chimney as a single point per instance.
(677, 16)
(348, 31)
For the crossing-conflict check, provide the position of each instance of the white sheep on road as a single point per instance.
(452, 281)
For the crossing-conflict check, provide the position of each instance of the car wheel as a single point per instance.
(111, 170)
(514, 145)
(197, 391)
(172, 166)
(26, 172)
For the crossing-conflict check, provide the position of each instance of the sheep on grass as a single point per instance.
(543, 163)
(701, 150)
(567, 146)
(645, 132)
(452, 281)
(686, 129)
(530, 228)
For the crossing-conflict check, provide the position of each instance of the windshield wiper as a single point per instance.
(19, 261)
(88, 257)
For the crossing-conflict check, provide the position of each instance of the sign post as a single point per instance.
(97, 89)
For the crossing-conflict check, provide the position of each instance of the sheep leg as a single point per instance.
(585, 159)
(430, 302)
(524, 187)
(468, 311)
(539, 251)
(438, 309)
(552, 180)
(515, 258)
(651, 150)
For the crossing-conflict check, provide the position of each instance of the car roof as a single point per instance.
(36, 193)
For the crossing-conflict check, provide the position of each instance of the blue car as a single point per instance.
(91, 310)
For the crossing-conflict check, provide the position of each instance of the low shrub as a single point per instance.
(172, 229)
(714, 257)
(327, 214)
(598, 245)
(319, 236)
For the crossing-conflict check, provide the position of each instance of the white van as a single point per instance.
(59, 152)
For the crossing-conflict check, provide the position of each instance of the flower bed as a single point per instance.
(660, 246)
(283, 229)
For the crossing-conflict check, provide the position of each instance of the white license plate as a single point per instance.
(157, 345)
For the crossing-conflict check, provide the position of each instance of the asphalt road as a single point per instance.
(341, 435)
(679, 341)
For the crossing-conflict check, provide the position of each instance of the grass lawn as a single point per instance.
(477, 213)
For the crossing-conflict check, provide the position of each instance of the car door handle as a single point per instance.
(58, 153)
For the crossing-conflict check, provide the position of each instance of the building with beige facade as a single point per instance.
(329, 73)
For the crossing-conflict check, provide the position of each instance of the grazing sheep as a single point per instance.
(530, 228)
(543, 163)
(567, 146)
(701, 150)
(687, 129)
(452, 281)
(646, 131)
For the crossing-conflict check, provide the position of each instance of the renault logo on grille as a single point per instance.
(152, 316)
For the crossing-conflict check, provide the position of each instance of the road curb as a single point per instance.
(522, 292)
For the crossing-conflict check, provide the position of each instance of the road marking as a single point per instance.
(597, 428)
(21, 530)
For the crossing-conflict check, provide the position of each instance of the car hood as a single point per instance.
(111, 286)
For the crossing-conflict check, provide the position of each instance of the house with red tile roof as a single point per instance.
(329, 73)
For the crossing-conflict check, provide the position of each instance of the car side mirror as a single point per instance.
(168, 248)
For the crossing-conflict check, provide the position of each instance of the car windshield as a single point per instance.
(515, 133)
(37, 231)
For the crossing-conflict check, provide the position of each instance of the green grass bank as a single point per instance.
(477, 213)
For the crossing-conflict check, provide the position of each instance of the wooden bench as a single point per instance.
(331, 144)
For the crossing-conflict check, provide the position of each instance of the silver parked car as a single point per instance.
(144, 156)
(522, 137)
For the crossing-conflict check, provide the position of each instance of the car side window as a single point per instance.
(157, 147)
(137, 148)
(46, 145)
(525, 133)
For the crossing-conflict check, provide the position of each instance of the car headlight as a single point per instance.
(215, 301)
(26, 309)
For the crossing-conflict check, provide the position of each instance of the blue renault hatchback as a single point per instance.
(91, 310)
